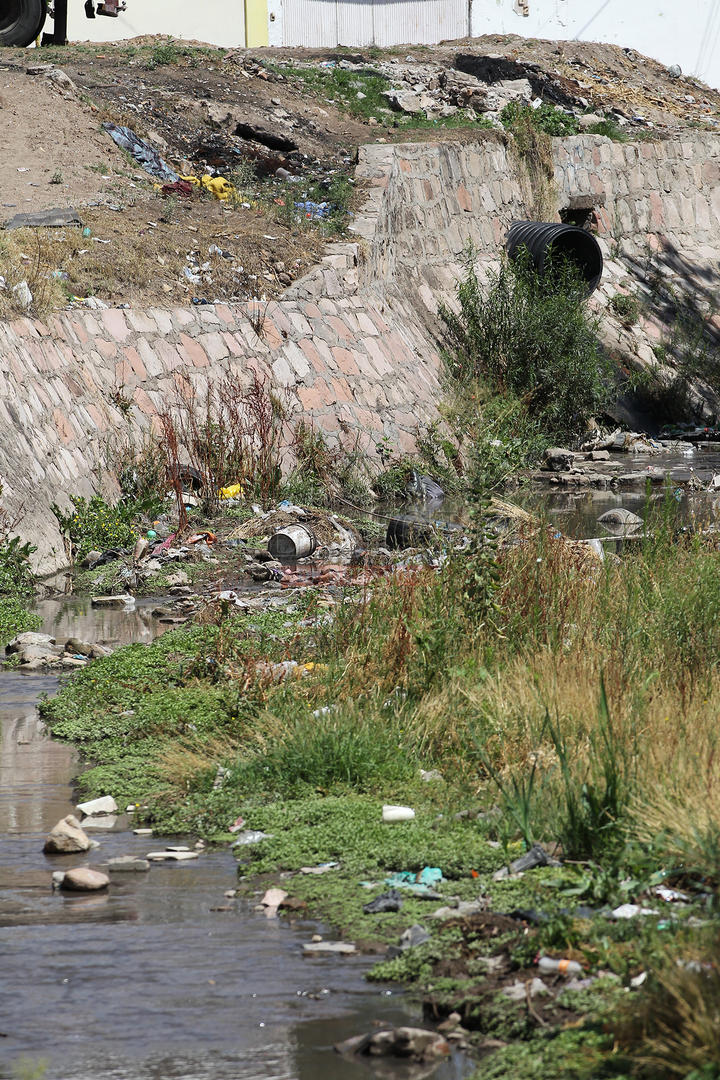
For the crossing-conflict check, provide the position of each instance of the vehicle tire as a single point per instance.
(21, 21)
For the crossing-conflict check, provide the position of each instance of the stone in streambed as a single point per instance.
(320, 948)
(171, 856)
(411, 1044)
(88, 649)
(83, 879)
(97, 807)
(67, 838)
(128, 863)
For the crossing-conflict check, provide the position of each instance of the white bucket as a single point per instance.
(292, 542)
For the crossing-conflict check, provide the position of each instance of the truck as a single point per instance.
(22, 21)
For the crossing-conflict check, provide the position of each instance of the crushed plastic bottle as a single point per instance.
(562, 967)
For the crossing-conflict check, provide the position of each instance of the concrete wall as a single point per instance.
(353, 343)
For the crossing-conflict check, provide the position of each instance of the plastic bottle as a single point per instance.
(563, 967)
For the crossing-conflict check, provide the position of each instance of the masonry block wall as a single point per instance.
(353, 344)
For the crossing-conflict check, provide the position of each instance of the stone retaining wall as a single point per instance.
(353, 342)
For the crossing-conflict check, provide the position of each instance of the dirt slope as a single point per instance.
(285, 124)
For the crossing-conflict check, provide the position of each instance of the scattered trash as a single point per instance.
(292, 542)
(389, 901)
(419, 883)
(143, 153)
(321, 869)
(231, 492)
(430, 775)
(22, 294)
(638, 981)
(536, 856)
(172, 854)
(405, 532)
(461, 910)
(629, 911)
(397, 813)
(104, 805)
(56, 218)
(409, 939)
(285, 669)
(562, 967)
(670, 895)
(521, 991)
(313, 210)
(424, 488)
(251, 836)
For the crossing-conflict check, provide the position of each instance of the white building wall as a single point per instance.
(321, 23)
(218, 22)
(684, 32)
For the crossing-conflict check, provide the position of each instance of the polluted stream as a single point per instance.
(161, 976)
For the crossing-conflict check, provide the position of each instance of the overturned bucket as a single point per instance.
(292, 542)
(545, 241)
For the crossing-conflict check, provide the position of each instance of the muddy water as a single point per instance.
(149, 982)
(576, 513)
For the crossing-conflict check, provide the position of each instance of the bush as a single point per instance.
(14, 619)
(545, 118)
(16, 576)
(95, 525)
(626, 308)
(531, 337)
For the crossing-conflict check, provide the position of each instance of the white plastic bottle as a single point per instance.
(562, 967)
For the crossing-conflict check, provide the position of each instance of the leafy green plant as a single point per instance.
(595, 795)
(610, 129)
(15, 619)
(545, 118)
(324, 475)
(531, 336)
(16, 575)
(94, 525)
(626, 307)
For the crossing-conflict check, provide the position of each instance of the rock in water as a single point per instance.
(83, 879)
(619, 516)
(104, 805)
(67, 838)
(412, 1044)
(558, 459)
(128, 864)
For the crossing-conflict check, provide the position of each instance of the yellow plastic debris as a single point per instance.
(231, 492)
(218, 186)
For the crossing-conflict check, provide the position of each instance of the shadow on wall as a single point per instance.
(683, 296)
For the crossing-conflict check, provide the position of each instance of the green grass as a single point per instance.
(600, 682)
(15, 619)
(341, 88)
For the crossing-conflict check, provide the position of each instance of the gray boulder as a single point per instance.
(558, 459)
(83, 879)
(67, 838)
(412, 1044)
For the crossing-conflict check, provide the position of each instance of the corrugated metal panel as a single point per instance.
(326, 23)
(419, 22)
(355, 22)
(310, 23)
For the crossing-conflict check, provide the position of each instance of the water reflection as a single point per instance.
(147, 981)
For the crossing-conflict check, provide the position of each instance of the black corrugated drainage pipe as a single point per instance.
(564, 241)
